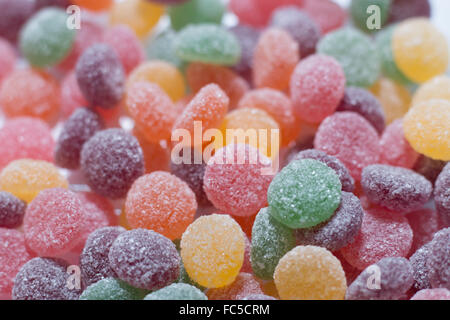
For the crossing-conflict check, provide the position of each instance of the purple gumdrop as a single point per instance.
(340, 230)
(94, 260)
(397, 189)
(439, 260)
(429, 168)
(248, 38)
(404, 9)
(420, 267)
(111, 161)
(300, 26)
(13, 14)
(101, 76)
(44, 279)
(388, 279)
(145, 259)
(442, 195)
(12, 210)
(364, 103)
(348, 184)
(78, 129)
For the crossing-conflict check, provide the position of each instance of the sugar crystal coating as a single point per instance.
(442, 194)
(432, 294)
(177, 291)
(439, 260)
(421, 271)
(112, 289)
(328, 14)
(111, 160)
(396, 277)
(12, 210)
(424, 223)
(145, 259)
(436, 88)
(243, 285)
(43, 279)
(195, 12)
(160, 46)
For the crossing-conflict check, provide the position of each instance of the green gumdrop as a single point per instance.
(196, 11)
(112, 289)
(270, 242)
(356, 53)
(160, 47)
(305, 193)
(46, 40)
(177, 291)
(207, 43)
(362, 15)
(388, 66)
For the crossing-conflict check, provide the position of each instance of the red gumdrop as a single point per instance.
(317, 87)
(350, 138)
(328, 14)
(25, 137)
(395, 149)
(244, 285)
(382, 234)
(424, 224)
(7, 58)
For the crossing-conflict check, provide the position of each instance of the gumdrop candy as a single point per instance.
(442, 194)
(13, 15)
(243, 285)
(421, 271)
(403, 9)
(7, 59)
(112, 289)
(328, 14)
(436, 88)
(12, 210)
(432, 294)
(424, 223)
(177, 291)
(195, 12)
(439, 260)
(94, 5)
(247, 37)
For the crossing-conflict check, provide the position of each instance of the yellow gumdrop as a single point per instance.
(25, 178)
(212, 249)
(436, 88)
(427, 128)
(164, 74)
(139, 15)
(420, 50)
(251, 126)
(310, 273)
(395, 99)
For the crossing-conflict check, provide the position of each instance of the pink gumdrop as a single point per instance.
(383, 234)
(350, 138)
(53, 222)
(25, 137)
(236, 179)
(13, 254)
(432, 294)
(395, 149)
(7, 58)
(247, 265)
(317, 87)
(127, 46)
(71, 96)
(328, 14)
(424, 224)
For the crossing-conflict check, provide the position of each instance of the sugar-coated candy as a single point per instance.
(258, 297)
(419, 263)
(207, 43)
(140, 15)
(340, 230)
(156, 155)
(145, 259)
(94, 260)
(361, 12)
(436, 88)
(247, 37)
(12, 210)
(235, 180)
(383, 234)
(426, 128)
(25, 137)
(290, 195)
(25, 178)
(428, 167)
(71, 96)
(101, 76)
(112, 289)
(199, 75)
(195, 12)
(439, 260)
(177, 291)
(212, 249)
(328, 14)
(243, 285)
(45, 39)
(348, 183)
(420, 49)
(317, 86)
(162, 73)
(364, 103)
(110, 161)
(13, 14)
(161, 202)
(395, 279)
(7, 58)
(126, 44)
(94, 5)
(300, 26)
(403, 9)
(13, 254)
(350, 138)
(310, 273)
(27, 92)
(275, 56)
(80, 127)
(432, 294)
(395, 149)
(442, 195)
(270, 241)
(424, 224)
(355, 52)
(160, 47)
(43, 279)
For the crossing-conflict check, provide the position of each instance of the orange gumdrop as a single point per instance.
(94, 5)
(156, 154)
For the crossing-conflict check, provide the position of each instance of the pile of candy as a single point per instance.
(347, 197)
